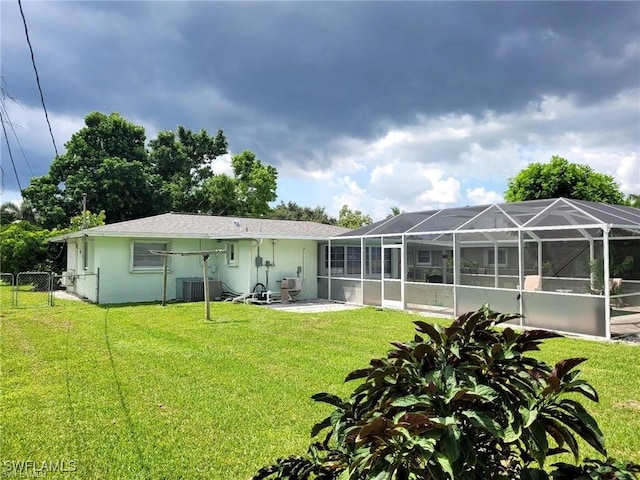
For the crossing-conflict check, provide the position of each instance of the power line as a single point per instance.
(3, 109)
(6, 138)
(33, 62)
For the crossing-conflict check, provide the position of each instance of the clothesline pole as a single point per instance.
(164, 280)
(205, 274)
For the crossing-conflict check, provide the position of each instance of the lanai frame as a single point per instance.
(395, 262)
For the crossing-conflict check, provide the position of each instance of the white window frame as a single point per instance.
(501, 252)
(232, 254)
(353, 260)
(86, 258)
(373, 263)
(421, 262)
(152, 245)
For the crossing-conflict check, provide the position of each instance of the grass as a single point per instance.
(147, 391)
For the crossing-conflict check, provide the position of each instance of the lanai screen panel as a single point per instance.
(429, 270)
(562, 258)
(611, 214)
(447, 220)
(492, 218)
(489, 259)
(522, 212)
(563, 213)
(624, 271)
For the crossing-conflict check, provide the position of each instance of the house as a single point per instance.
(566, 265)
(120, 262)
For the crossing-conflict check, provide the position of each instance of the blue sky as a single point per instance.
(374, 105)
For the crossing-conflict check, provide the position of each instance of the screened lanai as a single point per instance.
(566, 265)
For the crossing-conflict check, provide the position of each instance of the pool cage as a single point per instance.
(566, 265)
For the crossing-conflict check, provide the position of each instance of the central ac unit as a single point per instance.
(292, 283)
(193, 290)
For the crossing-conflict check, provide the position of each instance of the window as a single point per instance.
(345, 260)
(353, 261)
(143, 260)
(85, 254)
(374, 261)
(423, 257)
(232, 255)
(337, 260)
(490, 257)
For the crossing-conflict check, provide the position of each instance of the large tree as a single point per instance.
(353, 218)
(248, 193)
(293, 211)
(184, 161)
(560, 178)
(256, 184)
(108, 161)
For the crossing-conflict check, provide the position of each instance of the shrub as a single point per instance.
(462, 402)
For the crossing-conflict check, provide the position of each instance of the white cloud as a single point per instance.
(31, 127)
(628, 172)
(222, 164)
(428, 163)
(480, 196)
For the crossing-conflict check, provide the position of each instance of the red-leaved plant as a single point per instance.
(462, 402)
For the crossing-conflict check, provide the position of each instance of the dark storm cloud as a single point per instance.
(285, 78)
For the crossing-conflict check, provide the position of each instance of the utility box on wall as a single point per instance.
(192, 289)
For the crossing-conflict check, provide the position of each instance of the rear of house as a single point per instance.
(120, 263)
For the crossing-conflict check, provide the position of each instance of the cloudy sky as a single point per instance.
(375, 105)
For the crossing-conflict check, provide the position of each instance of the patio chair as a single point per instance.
(615, 288)
(532, 282)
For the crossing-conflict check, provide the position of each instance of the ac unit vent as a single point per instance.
(193, 290)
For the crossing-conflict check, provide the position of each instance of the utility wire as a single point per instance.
(33, 61)
(6, 138)
(3, 108)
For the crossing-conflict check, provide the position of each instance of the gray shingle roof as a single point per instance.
(177, 225)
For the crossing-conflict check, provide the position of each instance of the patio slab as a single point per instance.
(312, 306)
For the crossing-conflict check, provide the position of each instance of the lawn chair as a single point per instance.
(533, 282)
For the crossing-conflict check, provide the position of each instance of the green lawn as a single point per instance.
(157, 392)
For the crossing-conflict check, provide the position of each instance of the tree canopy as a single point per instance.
(353, 218)
(246, 194)
(184, 159)
(108, 161)
(560, 178)
(293, 211)
(125, 179)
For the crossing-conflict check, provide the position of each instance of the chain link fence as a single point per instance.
(40, 289)
(83, 285)
(33, 289)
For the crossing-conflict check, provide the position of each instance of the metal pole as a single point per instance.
(164, 280)
(607, 286)
(205, 274)
(84, 211)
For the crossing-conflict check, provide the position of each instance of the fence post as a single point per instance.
(98, 286)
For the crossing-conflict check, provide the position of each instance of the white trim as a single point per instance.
(232, 254)
(166, 245)
(489, 250)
